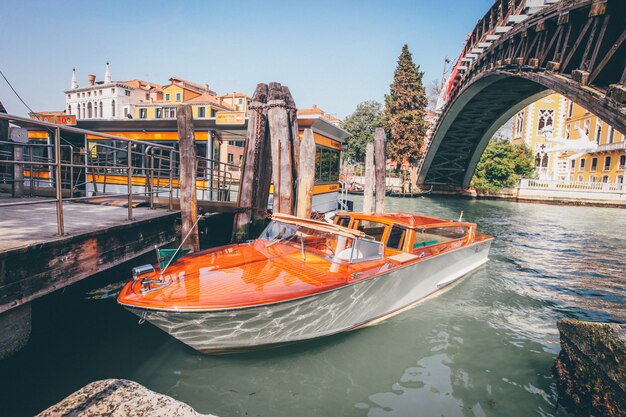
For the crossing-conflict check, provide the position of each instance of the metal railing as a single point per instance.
(64, 168)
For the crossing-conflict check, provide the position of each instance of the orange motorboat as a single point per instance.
(303, 279)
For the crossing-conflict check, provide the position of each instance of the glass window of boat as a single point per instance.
(326, 164)
(372, 228)
(334, 247)
(396, 237)
(427, 237)
(343, 221)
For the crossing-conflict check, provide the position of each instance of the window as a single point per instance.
(572, 164)
(570, 109)
(567, 131)
(607, 163)
(100, 106)
(240, 101)
(622, 162)
(427, 237)
(170, 113)
(89, 94)
(546, 120)
(113, 90)
(373, 229)
(592, 178)
(89, 111)
(396, 237)
(158, 113)
(594, 164)
(582, 164)
(231, 158)
(580, 178)
(605, 178)
(167, 97)
(620, 179)
(113, 108)
(587, 125)
(327, 164)
(99, 92)
(238, 143)
(177, 96)
(201, 111)
(598, 130)
(125, 111)
(519, 123)
(213, 113)
(127, 93)
(610, 135)
(143, 113)
(147, 96)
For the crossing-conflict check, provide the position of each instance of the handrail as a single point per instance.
(128, 167)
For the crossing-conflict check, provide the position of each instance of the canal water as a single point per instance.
(484, 347)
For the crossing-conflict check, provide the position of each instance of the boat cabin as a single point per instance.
(410, 233)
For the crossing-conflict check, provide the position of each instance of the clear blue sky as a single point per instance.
(331, 53)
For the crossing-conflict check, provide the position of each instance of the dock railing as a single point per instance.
(58, 167)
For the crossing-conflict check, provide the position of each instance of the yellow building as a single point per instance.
(205, 102)
(570, 143)
(606, 162)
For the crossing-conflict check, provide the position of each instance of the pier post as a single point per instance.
(306, 179)
(17, 186)
(187, 174)
(282, 174)
(368, 193)
(292, 117)
(380, 163)
(256, 170)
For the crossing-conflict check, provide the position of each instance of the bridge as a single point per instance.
(519, 52)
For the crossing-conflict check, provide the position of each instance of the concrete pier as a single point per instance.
(591, 368)
(119, 398)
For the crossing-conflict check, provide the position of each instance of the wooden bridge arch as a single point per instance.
(573, 47)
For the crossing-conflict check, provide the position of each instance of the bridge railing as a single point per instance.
(608, 187)
(58, 167)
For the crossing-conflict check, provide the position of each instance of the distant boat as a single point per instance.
(303, 279)
(410, 195)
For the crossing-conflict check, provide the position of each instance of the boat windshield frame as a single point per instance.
(337, 248)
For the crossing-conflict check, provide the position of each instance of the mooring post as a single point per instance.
(368, 193)
(187, 173)
(57, 181)
(256, 170)
(380, 163)
(292, 116)
(17, 186)
(281, 150)
(306, 179)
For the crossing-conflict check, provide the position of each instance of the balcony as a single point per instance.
(609, 147)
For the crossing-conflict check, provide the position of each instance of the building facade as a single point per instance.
(570, 143)
(107, 99)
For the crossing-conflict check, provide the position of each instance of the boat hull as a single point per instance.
(346, 308)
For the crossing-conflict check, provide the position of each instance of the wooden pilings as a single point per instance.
(368, 193)
(256, 171)
(271, 153)
(306, 179)
(380, 161)
(188, 198)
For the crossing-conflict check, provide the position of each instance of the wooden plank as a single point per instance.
(607, 57)
(599, 41)
(580, 38)
(368, 193)
(187, 172)
(380, 164)
(256, 170)
(306, 179)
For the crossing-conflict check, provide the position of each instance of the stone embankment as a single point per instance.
(591, 368)
(119, 398)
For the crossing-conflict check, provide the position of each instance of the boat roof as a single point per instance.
(403, 219)
(318, 225)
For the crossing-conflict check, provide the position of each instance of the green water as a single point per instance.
(484, 347)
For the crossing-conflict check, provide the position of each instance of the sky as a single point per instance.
(334, 54)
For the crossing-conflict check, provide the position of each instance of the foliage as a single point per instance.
(405, 111)
(361, 124)
(502, 165)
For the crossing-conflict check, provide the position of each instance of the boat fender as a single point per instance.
(142, 270)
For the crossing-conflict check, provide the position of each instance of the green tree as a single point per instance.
(361, 124)
(502, 165)
(405, 111)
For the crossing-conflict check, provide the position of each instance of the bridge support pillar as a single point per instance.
(15, 327)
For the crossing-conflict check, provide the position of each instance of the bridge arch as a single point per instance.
(576, 48)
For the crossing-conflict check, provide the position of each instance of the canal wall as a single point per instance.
(119, 398)
(591, 368)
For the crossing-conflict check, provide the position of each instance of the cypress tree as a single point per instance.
(405, 111)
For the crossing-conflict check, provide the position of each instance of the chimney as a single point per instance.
(92, 79)
(107, 74)
(74, 82)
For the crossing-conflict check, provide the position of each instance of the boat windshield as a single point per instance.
(334, 247)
